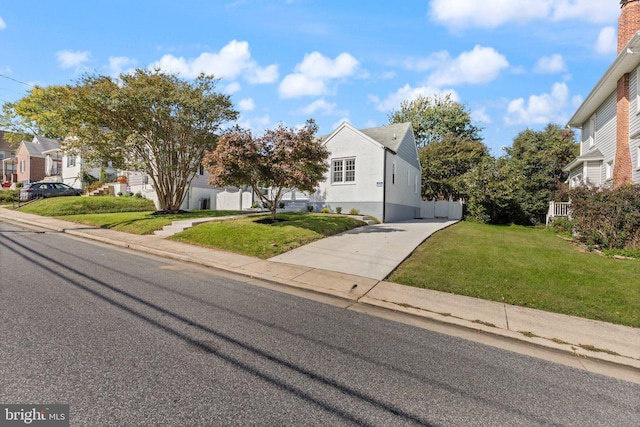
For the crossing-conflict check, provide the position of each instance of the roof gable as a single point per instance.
(39, 144)
(397, 138)
(627, 61)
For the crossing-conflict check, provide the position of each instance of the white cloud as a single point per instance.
(2, 24)
(257, 75)
(70, 59)
(480, 115)
(324, 107)
(550, 64)
(255, 124)
(246, 104)
(593, 11)
(462, 14)
(120, 64)
(315, 72)
(480, 65)
(408, 93)
(232, 88)
(230, 62)
(607, 41)
(539, 109)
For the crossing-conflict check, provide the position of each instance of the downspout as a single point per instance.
(384, 187)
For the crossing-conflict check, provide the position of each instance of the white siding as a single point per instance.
(595, 172)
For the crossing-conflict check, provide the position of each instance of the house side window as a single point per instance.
(608, 170)
(343, 170)
(408, 178)
(201, 170)
(393, 173)
(415, 184)
(71, 161)
(22, 166)
(592, 131)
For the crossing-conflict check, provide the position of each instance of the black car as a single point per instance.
(38, 190)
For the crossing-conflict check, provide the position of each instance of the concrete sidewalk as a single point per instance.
(587, 339)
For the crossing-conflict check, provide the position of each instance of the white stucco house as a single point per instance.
(376, 171)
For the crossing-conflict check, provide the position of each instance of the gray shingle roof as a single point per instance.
(390, 136)
(40, 144)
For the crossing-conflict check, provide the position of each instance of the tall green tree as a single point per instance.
(534, 162)
(281, 159)
(35, 114)
(446, 162)
(434, 118)
(146, 120)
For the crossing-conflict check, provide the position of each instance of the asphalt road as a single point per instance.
(129, 340)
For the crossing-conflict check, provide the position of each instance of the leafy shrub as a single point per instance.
(310, 208)
(7, 196)
(281, 205)
(609, 218)
(353, 211)
(339, 209)
(139, 195)
(562, 226)
(325, 210)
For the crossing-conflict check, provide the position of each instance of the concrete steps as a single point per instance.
(179, 226)
(105, 190)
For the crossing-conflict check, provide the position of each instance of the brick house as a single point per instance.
(32, 163)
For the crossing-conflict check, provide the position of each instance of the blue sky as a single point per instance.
(515, 64)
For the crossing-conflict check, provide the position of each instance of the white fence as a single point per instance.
(450, 209)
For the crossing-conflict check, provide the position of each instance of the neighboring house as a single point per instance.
(8, 158)
(37, 160)
(375, 171)
(610, 116)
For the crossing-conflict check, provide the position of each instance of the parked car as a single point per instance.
(37, 190)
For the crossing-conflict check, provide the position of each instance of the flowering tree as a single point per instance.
(281, 159)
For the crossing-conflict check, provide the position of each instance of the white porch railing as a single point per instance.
(558, 209)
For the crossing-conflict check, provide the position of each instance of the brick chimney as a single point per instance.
(628, 26)
(628, 22)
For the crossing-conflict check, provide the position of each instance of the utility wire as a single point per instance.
(17, 81)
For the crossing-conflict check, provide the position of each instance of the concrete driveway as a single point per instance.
(372, 251)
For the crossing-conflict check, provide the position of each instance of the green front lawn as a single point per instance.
(128, 214)
(254, 236)
(525, 266)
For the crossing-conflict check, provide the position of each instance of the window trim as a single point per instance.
(345, 174)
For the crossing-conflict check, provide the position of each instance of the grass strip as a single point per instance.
(255, 236)
(525, 266)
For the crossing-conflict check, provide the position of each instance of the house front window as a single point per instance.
(608, 170)
(71, 161)
(343, 170)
